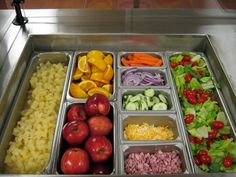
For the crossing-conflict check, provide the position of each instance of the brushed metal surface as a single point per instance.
(120, 30)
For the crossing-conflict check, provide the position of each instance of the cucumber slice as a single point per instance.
(149, 102)
(144, 105)
(155, 99)
(149, 92)
(135, 98)
(159, 107)
(162, 98)
(130, 106)
(137, 104)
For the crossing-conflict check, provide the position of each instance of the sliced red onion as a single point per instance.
(135, 77)
(126, 72)
(132, 80)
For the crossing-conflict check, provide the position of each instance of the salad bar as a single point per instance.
(120, 109)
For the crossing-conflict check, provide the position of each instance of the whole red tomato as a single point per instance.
(227, 161)
(75, 161)
(99, 148)
(75, 132)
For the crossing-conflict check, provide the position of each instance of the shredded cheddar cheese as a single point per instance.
(147, 132)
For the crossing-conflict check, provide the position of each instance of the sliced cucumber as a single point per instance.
(135, 98)
(162, 98)
(159, 107)
(138, 105)
(149, 92)
(149, 102)
(144, 105)
(155, 99)
(130, 106)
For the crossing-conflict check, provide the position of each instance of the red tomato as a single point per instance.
(199, 72)
(199, 91)
(197, 160)
(202, 152)
(75, 161)
(191, 138)
(189, 118)
(188, 77)
(206, 159)
(195, 63)
(192, 99)
(212, 135)
(198, 140)
(201, 100)
(173, 64)
(204, 95)
(227, 161)
(209, 143)
(217, 124)
(224, 137)
(186, 58)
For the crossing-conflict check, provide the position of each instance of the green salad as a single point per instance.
(208, 128)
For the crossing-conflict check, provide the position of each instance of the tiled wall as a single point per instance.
(112, 4)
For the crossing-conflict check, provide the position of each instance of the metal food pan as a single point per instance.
(125, 150)
(126, 53)
(169, 120)
(75, 60)
(150, 70)
(219, 98)
(133, 91)
(20, 102)
(62, 145)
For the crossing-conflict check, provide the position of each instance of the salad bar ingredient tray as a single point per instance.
(133, 107)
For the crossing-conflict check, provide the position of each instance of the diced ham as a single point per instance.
(157, 163)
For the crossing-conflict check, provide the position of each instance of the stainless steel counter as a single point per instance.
(220, 25)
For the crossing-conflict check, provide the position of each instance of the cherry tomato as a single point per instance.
(202, 152)
(212, 135)
(227, 161)
(217, 124)
(173, 64)
(204, 95)
(188, 77)
(206, 159)
(192, 100)
(192, 93)
(215, 130)
(197, 160)
(195, 63)
(199, 72)
(224, 137)
(199, 91)
(201, 100)
(191, 138)
(186, 58)
(209, 143)
(198, 140)
(189, 118)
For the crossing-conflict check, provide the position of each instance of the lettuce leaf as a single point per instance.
(194, 84)
(201, 132)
